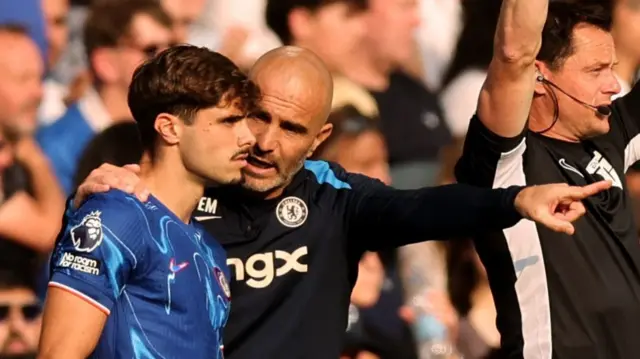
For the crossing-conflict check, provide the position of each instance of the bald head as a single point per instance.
(297, 76)
(297, 90)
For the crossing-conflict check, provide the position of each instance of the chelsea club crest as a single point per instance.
(222, 282)
(87, 235)
(292, 212)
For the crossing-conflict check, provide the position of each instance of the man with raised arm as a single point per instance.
(545, 115)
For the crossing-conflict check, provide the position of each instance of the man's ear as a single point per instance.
(169, 128)
(541, 75)
(324, 133)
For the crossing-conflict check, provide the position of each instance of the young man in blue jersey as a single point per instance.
(132, 279)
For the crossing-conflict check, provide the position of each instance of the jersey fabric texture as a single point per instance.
(161, 282)
(561, 296)
(294, 259)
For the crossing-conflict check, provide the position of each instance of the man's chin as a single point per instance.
(236, 181)
(259, 185)
(600, 129)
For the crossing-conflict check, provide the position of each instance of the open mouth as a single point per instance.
(258, 163)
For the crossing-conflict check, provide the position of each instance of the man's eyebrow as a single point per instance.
(261, 114)
(230, 119)
(293, 127)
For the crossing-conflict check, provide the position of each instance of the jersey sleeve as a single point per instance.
(626, 111)
(101, 246)
(380, 217)
(487, 158)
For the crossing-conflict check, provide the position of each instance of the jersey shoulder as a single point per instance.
(113, 201)
(332, 174)
(113, 212)
(328, 173)
(100, 248)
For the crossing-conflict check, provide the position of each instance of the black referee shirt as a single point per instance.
(294, 259)
(559, 296)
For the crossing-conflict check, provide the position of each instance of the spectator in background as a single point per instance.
(463, 81)
(72, 65)
(57, 32)
(332, 29)
(477, 336)
(358, 343)
(31, 203)
(21, 71)
(184, 14)
(410, 115)
(28, 15)
(437, 34)
(56, 29)
(633, 185)
(461, 300)
(357, 145)
(412, 123)
(194, 24)
(20, 315)
(247, 17)
(626, 35)
(118, 37)
(118, 145)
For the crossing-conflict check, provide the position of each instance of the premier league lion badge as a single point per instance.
(87, 235)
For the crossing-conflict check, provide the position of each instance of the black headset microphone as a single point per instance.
(603, 110)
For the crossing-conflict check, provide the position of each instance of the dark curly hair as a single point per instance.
(563, 17)
(183, 80)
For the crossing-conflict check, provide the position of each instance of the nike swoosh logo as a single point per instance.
(568, 167)
(175, 268)
(206, 218)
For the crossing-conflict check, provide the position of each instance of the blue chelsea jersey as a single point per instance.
(162, 283)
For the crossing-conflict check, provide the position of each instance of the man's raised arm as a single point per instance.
(507, 93)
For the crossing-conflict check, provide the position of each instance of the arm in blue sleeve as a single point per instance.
(101, 246)
(382, 217)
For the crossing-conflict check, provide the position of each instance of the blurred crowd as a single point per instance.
(407, 74)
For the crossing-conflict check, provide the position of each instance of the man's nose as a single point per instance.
(245, 137)
(16, 321)
(613, 86)
(266, 141)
